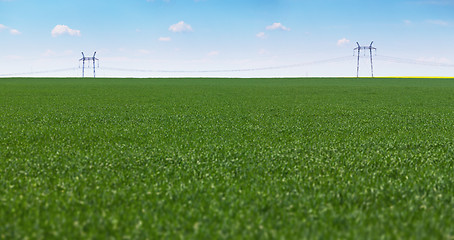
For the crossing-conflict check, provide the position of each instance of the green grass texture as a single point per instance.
(311, 158)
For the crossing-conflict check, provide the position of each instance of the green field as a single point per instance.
(227, 158)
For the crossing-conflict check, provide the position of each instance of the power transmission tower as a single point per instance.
(94, 59)
(370, 48)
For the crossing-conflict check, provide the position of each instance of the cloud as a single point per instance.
(180, 27)
(407, 22)
(213, 53)
(11, 30)
(438, 22)
(14, 32)
(49, 53)
(143, 51)
(63, 29)
(14, 57)
(263, 51)
(277, 26)
(342, 42)
(261, 35)
(164, 39)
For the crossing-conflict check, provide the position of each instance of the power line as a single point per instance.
(38, 72)
(413, 61)
(383, 58)
(325, 61)
(332, 60)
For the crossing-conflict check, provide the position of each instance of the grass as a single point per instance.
(227, 158)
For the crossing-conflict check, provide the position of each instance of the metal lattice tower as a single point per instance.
(94, 59)
(370, 48)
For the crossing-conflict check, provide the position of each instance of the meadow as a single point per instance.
(334, 158)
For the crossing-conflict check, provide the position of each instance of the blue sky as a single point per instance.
(204, 35)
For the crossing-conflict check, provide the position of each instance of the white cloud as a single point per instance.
(14, 32)
(261, 35)
(63, 29)
(180, 27)
(342, 42)
(11, 30)
(164, 39)
(213, 53)
(263, 52)
(277, 26)
(438, 22)
(14, 57)
(143, 51)
(407, 22)
(49, 53)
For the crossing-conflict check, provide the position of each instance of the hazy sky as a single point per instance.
(204, 35)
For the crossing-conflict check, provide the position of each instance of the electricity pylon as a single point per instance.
(94, 59)
(370, 48)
